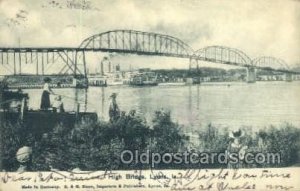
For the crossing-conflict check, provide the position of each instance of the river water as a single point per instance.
(233, 104)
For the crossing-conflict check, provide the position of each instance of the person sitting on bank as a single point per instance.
(58, 105)
(45, 100)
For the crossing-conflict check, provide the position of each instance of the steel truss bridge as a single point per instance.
(72, 60)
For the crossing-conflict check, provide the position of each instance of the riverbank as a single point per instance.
(99, 145)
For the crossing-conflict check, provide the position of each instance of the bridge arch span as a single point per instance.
(224, 55)
(269, 62)
(137, 42)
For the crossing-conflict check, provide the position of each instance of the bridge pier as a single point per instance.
(193, 62)
(288, 77)
(251, 75)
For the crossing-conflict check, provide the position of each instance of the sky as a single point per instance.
(257, 27)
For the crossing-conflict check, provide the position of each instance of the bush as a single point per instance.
(98, 145)
(284, 140)
(213, 139)
(167, 136)
(12, 137)
(94, 145)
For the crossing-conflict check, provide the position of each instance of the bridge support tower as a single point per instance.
(193, 77)
(251, 75)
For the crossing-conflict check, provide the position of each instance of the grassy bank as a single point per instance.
(98, 145)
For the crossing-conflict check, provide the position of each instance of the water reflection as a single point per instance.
(198, 97)
(102, 100)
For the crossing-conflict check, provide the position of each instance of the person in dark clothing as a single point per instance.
(45, 100)
(114, 112)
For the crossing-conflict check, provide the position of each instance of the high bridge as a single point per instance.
(72, 60)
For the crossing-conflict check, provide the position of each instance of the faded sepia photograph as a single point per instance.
(195, 86)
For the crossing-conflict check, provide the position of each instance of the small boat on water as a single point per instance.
(115, 78)
(115, 82)
(97, 81)
(143, 78)
(109, 79)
